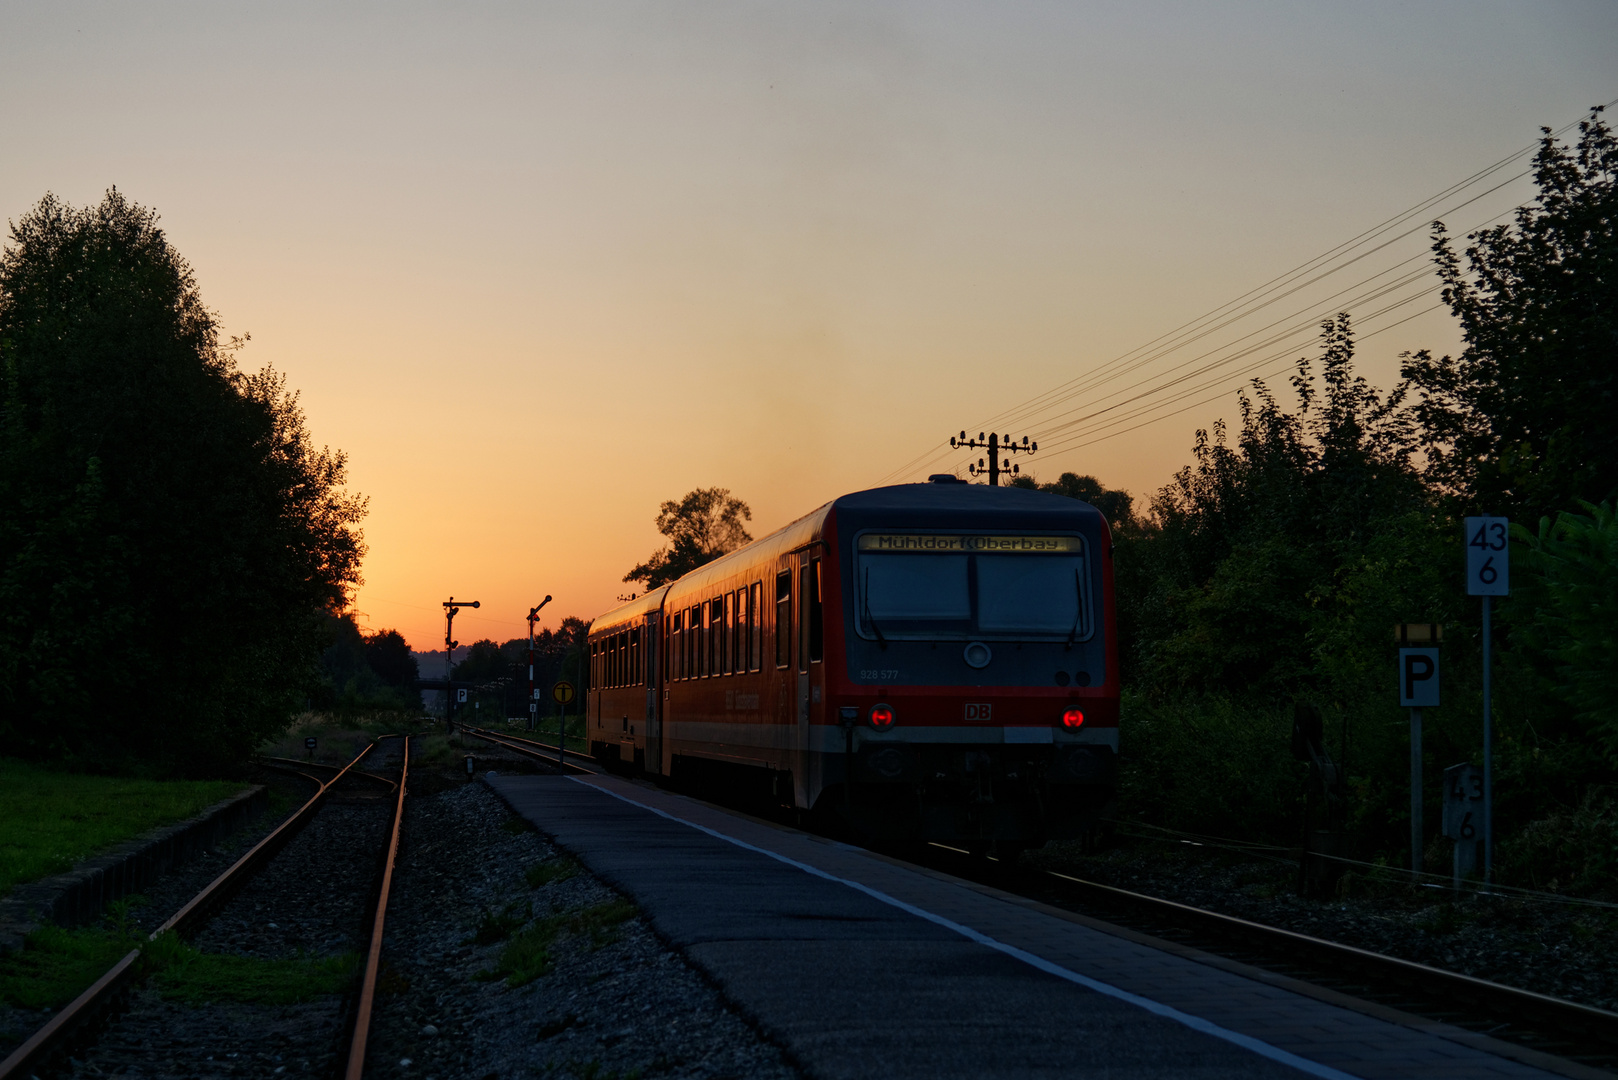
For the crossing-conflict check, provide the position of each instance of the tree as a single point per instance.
(485, 662)
(1250, 544)
(1525, 420)
(1564, 618)
(1118, 507)
(390, 657)
(171, 535)
(704, 525)
(350, 679)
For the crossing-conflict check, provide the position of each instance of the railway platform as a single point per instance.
(862, 966)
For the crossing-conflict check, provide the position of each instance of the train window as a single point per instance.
(743, 637)
(635, 659)
(702, 639)
(717, 635)
(783, 619)
(960, 595)
(755, 649)
(729, 665)
(676, 639)
(693, 642)
(803, 617)
(817, 620)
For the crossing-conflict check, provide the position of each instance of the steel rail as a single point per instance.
(1509, 1002)
(373, 956)
(99, 1000)
(293, 764)
(529, 748)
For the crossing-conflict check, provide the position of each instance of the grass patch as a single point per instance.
(528, 955)
(552, 870)
(189, 975)
(499, 925)
(56, 965)
(51, 820)
(514, 825)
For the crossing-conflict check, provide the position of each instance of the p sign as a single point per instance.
(460, 696)
(1418, 678)
(1488, 564)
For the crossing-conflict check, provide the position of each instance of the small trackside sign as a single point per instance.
(978, 713)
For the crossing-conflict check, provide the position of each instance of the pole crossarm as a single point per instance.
(996, 444)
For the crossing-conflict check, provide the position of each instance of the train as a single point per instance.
(927, 662)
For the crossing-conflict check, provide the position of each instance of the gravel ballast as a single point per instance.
(1563, 950)
(617, 1003)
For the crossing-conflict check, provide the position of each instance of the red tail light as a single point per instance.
(881, 716)
(1073, 718)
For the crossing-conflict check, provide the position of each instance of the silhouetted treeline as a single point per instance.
(171, 535)
(499, 673)
(1273, 568)
(363, 672)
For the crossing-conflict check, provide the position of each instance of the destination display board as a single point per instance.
(955, 543)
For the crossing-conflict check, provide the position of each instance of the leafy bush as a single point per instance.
(1564, 614)
(1572, 850)
(1208, 765)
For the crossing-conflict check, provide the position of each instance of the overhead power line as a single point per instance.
(1135, 389)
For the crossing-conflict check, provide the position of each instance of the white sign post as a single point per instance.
(1418, 689)
(1488, 574)
(1463, 799)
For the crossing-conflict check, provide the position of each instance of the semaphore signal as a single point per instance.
(996, 444)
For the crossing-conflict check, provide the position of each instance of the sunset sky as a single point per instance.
(537, 267)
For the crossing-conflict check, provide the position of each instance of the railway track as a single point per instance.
(550, 753)
(88, 1020)
(1548, 1032)
(1543, 1028)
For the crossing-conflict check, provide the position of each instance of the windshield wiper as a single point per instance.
(865, 600)
(1078, 607)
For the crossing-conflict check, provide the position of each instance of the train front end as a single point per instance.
(974, 698)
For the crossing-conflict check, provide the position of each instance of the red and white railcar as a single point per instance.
(934, 661)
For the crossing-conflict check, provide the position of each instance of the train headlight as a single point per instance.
(1073, 719)
(881, 717)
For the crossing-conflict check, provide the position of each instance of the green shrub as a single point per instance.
(528, 955)
(1564, 614)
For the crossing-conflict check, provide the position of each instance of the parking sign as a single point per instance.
(1418, 678)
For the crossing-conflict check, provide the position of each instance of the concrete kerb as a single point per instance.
(83, 893)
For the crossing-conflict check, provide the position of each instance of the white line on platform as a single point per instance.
(1195, 1023)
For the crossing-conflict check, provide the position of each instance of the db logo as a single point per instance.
(977, 712)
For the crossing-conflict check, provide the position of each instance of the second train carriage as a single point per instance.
(932, 661)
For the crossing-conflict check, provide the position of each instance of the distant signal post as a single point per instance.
(451, 606)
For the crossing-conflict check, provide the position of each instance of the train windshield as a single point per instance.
(952, 587)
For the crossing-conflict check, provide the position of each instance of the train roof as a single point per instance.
(651, 600)
(914, 500)
(962, 498)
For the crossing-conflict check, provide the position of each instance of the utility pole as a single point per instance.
(996, 444)
(533, 699)
(451, 606)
